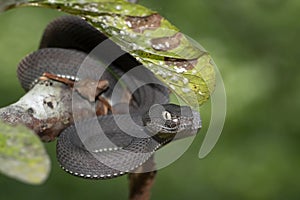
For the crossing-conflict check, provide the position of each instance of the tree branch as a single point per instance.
(140, 184)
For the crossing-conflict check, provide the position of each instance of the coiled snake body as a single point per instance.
(107, 146)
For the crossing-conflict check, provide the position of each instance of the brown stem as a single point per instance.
(140, 184)
(132, 1)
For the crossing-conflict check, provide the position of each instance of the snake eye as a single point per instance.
(166, 115)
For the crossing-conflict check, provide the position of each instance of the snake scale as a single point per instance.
(111, 145)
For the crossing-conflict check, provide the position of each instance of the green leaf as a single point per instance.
(186, 68)
(22, 155)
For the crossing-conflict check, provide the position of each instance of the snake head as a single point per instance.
(169, 121)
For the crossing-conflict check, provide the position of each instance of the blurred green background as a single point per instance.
(255, 45)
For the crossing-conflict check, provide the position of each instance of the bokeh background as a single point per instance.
(256, 47)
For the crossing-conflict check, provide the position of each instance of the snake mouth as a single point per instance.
(167, 129)
(157, 128)
(167, 132)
